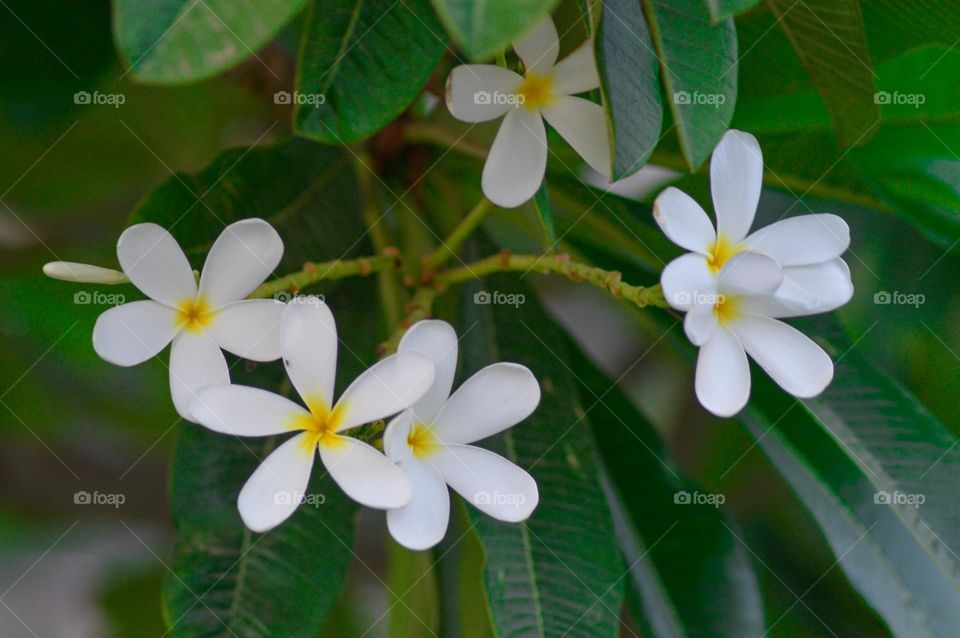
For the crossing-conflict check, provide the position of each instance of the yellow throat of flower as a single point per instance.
(194, 314)
(321, 424)
(422, 441)
(720, 252)
(536, 91)
(726, 309)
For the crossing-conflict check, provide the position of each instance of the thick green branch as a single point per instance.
(609, 280)
(336, 269)
(466, 226)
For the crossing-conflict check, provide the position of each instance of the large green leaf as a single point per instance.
(483, 28)
(858, 456)
(699, 60)
(169, 41)
(689, 574)
(828, 35)
(629, 85)
(721, 9)
(559, 573)
(362, 62)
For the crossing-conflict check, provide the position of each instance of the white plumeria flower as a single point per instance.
(309, 347)
(430, 441)
(197, 320)
(518, 158)
(807, 247)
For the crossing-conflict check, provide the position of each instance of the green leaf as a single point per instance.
(829, 37)
(558, 573)
(629, 85)
(362, 62)
(483, 28)
(699, 59)
(412, 593)
(844, 453)
(541, 201)
(721, 9)
(297, 186)
(689, 573)
(171, 41)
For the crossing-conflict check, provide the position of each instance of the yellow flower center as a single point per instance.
(321, 424)
(727, 309)
(536, 91)
(422, 440)
(194, 314)
(721, 251)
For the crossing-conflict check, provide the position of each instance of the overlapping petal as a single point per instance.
(421, 523)
(386, 388)
(364, 474)
(803, 240)
(155, 264)
(273, 492)
(488, 481)
(436, 340)
(249, 328)
(196, 363)
(688, 281)
(684, 221)
(309, 346)
(736, 177)
(245, 411)
(723, 374)
(792, 359)
(241, 258)
(518, 159)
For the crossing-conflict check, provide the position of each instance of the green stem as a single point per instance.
(420, 307)
(390, 295)
(609, 280)
(336, 269)
(427, 133)
(466, 226)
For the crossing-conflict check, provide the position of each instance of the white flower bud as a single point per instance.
(85, 273)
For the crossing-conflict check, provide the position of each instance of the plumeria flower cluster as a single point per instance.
(734, 285)
(517, 161)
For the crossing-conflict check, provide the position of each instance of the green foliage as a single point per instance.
(721, 9)
(483, 28)
(368, 60)
(174, 41)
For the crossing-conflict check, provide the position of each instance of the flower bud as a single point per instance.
(71, 271)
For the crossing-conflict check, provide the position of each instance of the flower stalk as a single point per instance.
(335, 269)
(466, 226)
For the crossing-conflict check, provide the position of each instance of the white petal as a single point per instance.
(806, 290)
(246, 411)
(395, 444)
(133, 332)
(309, 346)
(736, 176)
(275, 490)
(437, 340)
(518, 159)
(244, 255)
(723, 374)
(196, 363)
(364, 474)
(687, 281)
(479, 92)
(577, 72)
(750, 273)
(683, 221)
(249, 328)
(84, 273)
(584, 126)
(700, 323)
(495, 398)
(797, 241)
(155, 264)
(421, 523)
(489, 482)
(389, 386)
(539, 47)
(792, 359)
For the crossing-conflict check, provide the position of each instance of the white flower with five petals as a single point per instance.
(198, 320)
(430, 441)
(734, 285)
(309, 347)
(518, 158)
